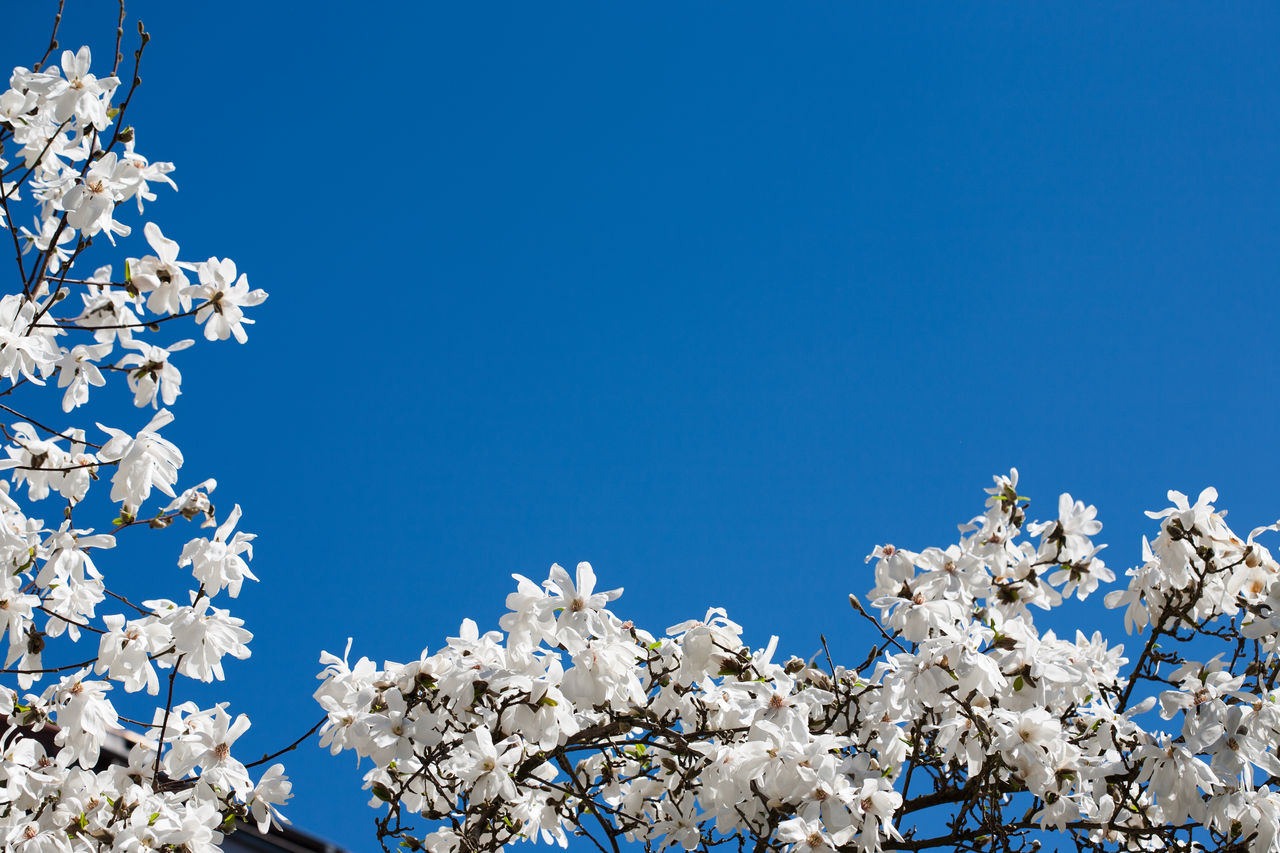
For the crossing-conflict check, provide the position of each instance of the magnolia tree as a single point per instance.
(76, 326)
(966, 726)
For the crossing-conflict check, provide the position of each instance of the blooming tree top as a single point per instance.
(967, 727)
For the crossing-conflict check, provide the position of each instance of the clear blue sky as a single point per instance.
(714, 296)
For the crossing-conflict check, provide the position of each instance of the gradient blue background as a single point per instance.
(715, 296)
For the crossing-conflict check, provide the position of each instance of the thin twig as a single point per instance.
(164, 723)
(264, 759)
(49, 430)
(80, 665)
(119, 36)
(53, 38)
(142, 324)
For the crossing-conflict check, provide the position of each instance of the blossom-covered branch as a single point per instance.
(73, 315)
(968, 728)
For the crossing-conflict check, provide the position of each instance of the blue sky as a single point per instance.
(717, 298)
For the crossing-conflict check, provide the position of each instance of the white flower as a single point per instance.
(486, 767)
(108, 310)
(82, 94)
(161, 277)
(810, 835)
(202, 635)
(150, 374)
(16, 610)
(273, 789)
(50, 234)
(77, 372)
(195, 501)
(25, 352)
(217, 563)
(577, 605)
(208, 746)
(84, 717)
(73, 581)
(91, 204)
(144, 461)
(222, 311)
(125, 649)
(36, 461)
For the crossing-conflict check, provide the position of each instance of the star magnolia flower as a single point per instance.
(208, 746)
(273, 789)
(202, 635)
(84, 717)
(577, 603)
(25, 352)
(487, 766)
(809, 835)
(77, 372)
(125, 649)
(150, 375)
(144, 461)
(222, 312)
(161, 277)
(217, 564)
(82, 94)
(91, 204)
(52, 239)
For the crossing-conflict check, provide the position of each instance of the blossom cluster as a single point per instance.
(967, 727)
(71, 176)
